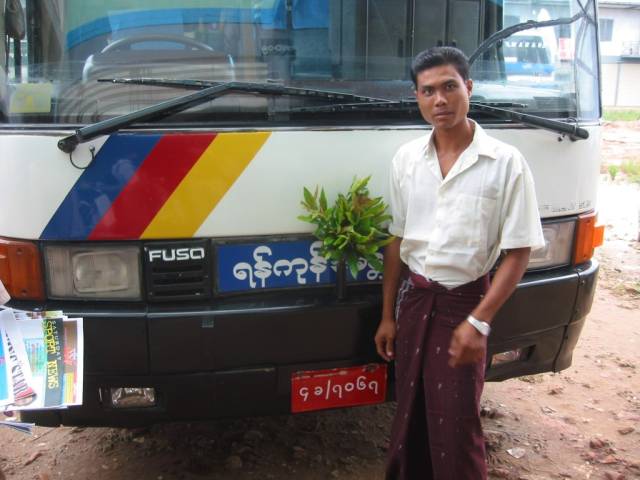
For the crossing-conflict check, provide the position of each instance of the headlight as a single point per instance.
(558, 239)
(93, 272)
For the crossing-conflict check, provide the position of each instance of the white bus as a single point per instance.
(153, 156)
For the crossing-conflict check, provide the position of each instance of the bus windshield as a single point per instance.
(53, 71)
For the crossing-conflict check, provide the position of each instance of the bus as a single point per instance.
(153, 159)
(527, 56)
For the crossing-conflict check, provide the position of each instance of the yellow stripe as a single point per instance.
(69, 384)
(204, 186)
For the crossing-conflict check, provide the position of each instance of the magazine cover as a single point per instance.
(21, 377)
(73, 355)
(6, 390)
(32, 336)
(54, 345)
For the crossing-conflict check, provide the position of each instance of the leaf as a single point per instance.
(323, 200)
(309, 199)
(371, 249)
(352, 262)
(362, 239)
(333, 255)
(386, 241)
(375, 262)
(358, 185)
(339, 215)
(350, 217)
(341, 242)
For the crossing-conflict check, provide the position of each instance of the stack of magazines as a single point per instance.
(41, 360)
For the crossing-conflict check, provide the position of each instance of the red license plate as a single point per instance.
(338, 387)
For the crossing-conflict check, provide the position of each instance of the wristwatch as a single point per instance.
(482, 327)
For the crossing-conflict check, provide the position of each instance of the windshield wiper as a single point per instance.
(519, 27)
(403, 105)
(496, 109)
(384, 105)
(207, 91)
(266, 88)
(573, 130)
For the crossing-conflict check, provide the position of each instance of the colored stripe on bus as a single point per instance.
(151, 186)
(204, 186)
(98, 186)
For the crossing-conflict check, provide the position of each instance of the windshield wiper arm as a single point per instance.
(385, 105)
(408, 105)
(207, 91)
(519, 27)
(266, 88)
(497, 109)
(574, 131)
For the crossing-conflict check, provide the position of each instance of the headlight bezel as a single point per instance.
(60, 279)
(562, 256)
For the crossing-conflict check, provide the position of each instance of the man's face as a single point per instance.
(443, 96)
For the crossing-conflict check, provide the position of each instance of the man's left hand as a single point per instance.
(468, 345)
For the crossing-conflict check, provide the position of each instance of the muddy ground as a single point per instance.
(578, 424)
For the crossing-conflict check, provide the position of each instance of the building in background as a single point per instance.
(620, 52)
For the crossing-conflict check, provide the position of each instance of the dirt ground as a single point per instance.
(582, 423)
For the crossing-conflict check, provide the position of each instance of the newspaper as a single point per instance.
(6, 390)
(43, 358)
(19, 426)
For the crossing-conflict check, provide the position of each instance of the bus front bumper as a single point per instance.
(206, 364)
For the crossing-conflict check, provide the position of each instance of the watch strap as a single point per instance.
(483, 327)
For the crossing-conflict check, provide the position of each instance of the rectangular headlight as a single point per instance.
(558, 239)
(81, 271)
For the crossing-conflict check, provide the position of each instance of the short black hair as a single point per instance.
(437, 56)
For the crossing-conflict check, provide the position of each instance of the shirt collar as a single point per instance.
(481, 141)
(481, 145)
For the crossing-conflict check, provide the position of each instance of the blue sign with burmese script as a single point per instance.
(284, 264)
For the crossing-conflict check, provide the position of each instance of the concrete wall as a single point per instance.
(620, 81)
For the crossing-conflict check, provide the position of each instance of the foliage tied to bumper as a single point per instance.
(350, 229)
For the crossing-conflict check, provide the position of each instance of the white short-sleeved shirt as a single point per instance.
(453, 229)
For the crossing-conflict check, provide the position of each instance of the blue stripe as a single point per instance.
(177, 16)
(99, 185)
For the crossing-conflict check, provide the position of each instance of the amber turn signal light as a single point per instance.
(20, 269)
(588, 237)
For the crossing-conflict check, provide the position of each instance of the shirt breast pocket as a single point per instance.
(465, 222)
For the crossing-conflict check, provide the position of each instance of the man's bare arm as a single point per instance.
(503, 284)
(385, 336)
(467, 344)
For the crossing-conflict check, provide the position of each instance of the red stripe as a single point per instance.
(150, 187)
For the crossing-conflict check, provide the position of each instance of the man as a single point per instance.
(459, 199)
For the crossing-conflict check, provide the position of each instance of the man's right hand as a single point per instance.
(385, 339)
(386, 334)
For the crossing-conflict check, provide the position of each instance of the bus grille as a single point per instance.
(178, 271)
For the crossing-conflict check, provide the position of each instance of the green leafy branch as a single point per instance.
(350, 229)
